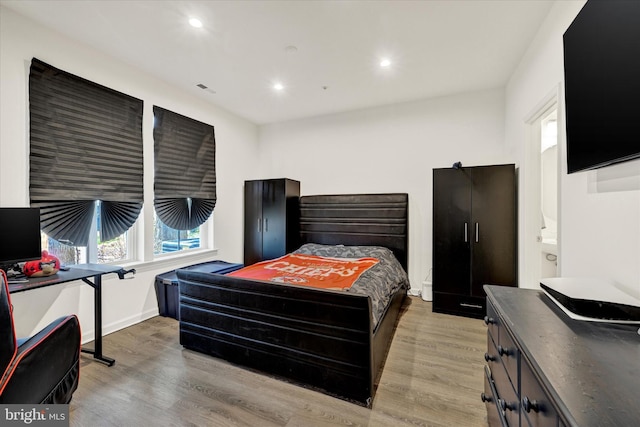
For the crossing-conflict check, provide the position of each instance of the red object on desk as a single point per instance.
(45, 266)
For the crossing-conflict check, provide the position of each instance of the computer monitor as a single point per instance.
(19, 236)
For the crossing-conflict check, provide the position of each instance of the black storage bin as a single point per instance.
(167, 285)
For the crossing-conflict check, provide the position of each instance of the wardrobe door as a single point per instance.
(451, 231)
(252, 222)
(493, 227)
(292, 209)
(274, 214)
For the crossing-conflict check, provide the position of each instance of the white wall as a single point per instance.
(599, 225)
(389, 149)
(127, 301)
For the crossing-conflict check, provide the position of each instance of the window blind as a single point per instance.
(185, 169)
(85, 145)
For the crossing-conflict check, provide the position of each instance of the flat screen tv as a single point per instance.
(19, 236)
(602, 84)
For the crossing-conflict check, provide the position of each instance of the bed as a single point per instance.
(326, 340)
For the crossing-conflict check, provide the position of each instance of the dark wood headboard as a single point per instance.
(358, 219)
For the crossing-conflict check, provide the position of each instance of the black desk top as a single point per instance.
(75, 272)
(591, 370)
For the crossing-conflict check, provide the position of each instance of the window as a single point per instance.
(86, 170)
(185, 180)
(167, 239)
(85, 161)
(116, 250)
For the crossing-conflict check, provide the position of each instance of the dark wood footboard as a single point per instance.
(317, 338)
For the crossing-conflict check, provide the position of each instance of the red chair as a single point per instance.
(43, 369)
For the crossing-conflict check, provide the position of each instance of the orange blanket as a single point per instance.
(308, 270)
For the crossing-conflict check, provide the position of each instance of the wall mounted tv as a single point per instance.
(19, 236)
(602, 84)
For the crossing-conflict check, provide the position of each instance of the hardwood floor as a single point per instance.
(433, 377)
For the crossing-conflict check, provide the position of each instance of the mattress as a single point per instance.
(379, 282)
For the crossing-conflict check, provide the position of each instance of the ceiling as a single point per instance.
(436, 48)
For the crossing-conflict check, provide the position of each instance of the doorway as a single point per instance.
(540, 195)
(549, 194)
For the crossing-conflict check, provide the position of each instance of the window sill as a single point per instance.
(170, 261)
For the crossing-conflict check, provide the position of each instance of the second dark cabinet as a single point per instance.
(474, 236)
(271, 215)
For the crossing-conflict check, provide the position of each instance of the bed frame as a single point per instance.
(320, 339)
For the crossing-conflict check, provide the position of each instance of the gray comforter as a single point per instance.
(379, 282)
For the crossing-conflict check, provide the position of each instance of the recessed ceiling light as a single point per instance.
(195, 22)
(278, 86)
(385, 62)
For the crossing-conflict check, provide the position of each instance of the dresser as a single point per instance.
(545, 369)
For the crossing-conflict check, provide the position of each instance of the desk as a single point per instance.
(83, 272)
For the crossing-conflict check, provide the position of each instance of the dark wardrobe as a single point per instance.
(474, 236)
(271, 216)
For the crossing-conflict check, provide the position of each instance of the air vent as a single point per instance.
(204, 87)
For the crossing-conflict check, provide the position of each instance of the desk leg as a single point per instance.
(97, 298)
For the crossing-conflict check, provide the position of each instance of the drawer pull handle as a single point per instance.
(489, 320)
(503, 351)
(489, 358)
(464, 304)
(504, 405)
(486, 398)
(530, 405)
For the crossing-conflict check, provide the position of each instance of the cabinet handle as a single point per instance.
(503, 351)
(489, 320)
(464, 304)
(259, 225)
(486, 398)
(465, 233)
(489, 358)
(477, 232)
(266, 225)
(530, 405)
(504, 405)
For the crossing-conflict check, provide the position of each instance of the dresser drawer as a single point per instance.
(510, 355)
(490, 398)
(462, 305)
(498, 372)
(508, 404)
(535, 404)
(504, 392)
(493, 361)
(493, 322)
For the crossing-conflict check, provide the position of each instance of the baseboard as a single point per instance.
(89, 336)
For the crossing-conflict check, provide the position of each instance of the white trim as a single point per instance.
(541, 108)
(120, 324)
(530, 189)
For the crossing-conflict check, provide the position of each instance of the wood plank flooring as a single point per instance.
(433, 376)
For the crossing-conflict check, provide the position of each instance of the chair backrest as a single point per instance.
(8, 346)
